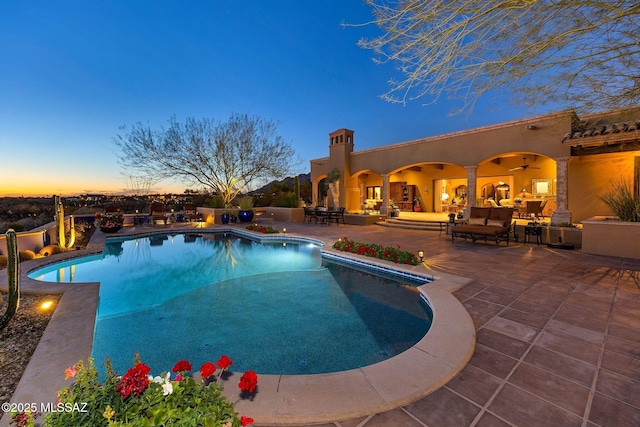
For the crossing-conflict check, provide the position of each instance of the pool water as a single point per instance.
(275, 308)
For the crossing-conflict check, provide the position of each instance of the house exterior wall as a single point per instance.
(471, 147)
(591, 177)
(488, 153)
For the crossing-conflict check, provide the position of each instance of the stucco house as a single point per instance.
(561, 159)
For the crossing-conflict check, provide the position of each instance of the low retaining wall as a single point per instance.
(363, 219)
(36, 239)
(602, 235)
(285, 214)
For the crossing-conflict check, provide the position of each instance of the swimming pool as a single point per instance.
(275, 307)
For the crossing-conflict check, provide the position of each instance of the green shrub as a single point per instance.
(17, 227)
(139, 399)
(245, 203)
(215, 202)
(262, 229)
(286, 200)
(373, 250)
(564, 224)
(621, 200)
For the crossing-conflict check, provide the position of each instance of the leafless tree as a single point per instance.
(224, 157)
(580, 54)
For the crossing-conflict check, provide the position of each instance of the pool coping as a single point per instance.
(281, 399)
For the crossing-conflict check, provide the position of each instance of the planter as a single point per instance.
(603, 235)
(110, 229)
(225, 218)
(245, 215)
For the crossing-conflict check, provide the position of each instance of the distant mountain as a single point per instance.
(303, 177)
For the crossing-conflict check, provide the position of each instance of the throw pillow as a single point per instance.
(495, 223)
(477, 221)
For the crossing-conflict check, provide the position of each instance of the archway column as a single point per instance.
(385, 194)
(562, 214)
(471, 189)
(314, 193)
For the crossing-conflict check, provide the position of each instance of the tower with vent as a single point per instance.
(340, 149)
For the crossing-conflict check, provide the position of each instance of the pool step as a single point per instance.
(412, 224)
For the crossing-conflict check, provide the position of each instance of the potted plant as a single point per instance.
(109, 222)
(394, 210)
(225, 217)
(246, 209)
(622, 201)
(418, 206)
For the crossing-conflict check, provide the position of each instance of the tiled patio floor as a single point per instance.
(557, 334)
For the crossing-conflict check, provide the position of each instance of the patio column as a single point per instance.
(562, 213)
(314, 193)
(471, 189)
(385, 194)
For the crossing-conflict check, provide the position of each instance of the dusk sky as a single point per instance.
(73, 72)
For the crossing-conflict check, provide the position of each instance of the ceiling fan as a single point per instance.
(524, 166)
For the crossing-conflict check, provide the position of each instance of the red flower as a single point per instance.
(224, 362)
(245, 421)
(22, 419)
(248, 381)
(182, 366)
(134, 381)
(207, 369)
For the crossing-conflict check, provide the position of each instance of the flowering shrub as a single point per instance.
(262, 229)
(387, 253)
(109, 219)
(139, 399)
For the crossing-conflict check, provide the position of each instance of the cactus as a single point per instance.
(13, 279)
(60, 220)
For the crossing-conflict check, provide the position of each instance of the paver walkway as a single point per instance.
(557, 334)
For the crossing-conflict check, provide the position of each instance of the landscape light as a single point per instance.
(46, 305)
(421, 255)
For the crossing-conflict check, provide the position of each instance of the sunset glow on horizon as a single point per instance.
(75, 72)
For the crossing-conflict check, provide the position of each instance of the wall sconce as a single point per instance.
(421, 255)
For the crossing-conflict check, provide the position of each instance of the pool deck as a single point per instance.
(556, 342)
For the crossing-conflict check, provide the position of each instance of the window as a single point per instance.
(374, 193)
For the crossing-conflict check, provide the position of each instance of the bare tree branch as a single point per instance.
(584, 54)
(222, 156)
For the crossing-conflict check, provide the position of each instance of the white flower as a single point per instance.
(167, 387)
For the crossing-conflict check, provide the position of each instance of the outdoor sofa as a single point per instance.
(484, 223)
